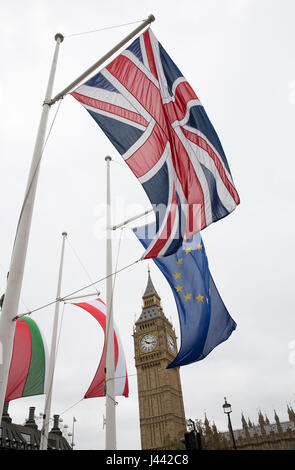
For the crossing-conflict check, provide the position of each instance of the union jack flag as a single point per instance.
(157, 123)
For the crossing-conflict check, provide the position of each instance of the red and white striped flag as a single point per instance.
(97, 308)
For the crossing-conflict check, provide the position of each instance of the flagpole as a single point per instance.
(66, 299)
(73, 428)
(110, 436)
(115, 227)
(52, 358)
(91, 69)
(18, 258)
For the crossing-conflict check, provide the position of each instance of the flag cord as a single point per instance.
(21, 298)
(81, 399)
(75, 292)
(34, 174)
(72, 406)
(61, 322)
(102, 29)
(82, 265)
(51, 383)
(107, 395)
(50, 129)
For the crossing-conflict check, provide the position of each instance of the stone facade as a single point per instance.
(264, 435)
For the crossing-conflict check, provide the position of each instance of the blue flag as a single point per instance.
(204, 319)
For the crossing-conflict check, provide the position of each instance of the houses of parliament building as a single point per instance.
(263, 435)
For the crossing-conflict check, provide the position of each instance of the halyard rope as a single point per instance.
(102, 29)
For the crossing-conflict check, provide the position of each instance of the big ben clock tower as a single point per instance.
(161, 411)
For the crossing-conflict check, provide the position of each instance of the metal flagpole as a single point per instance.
(91, 69)
(48, 392)
(16, 271)
(131, 219)
(110, 436)
(73, 430)
(66, 299)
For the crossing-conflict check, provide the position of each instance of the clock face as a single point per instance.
(171, 343)
(148, 342)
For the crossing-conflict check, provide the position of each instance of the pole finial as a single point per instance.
(59, 36)
(151, 18)
(64, 234)
(108, 158)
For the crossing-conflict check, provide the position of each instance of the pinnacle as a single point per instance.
(150, 288)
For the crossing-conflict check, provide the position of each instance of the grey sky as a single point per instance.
(238, 55)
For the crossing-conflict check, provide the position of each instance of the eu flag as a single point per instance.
(204, 319)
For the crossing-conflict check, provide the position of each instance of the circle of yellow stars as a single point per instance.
(179, 288)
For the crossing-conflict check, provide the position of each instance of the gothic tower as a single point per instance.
(161, 410)
(245, 426)
(261, 422)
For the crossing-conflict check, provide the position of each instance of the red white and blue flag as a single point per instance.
(157, 123)
(97, 308)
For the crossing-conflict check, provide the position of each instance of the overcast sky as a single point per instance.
(238, 55)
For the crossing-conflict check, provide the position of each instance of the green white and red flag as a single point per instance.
(27, 373)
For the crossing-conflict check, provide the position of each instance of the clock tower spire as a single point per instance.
(161, 410)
